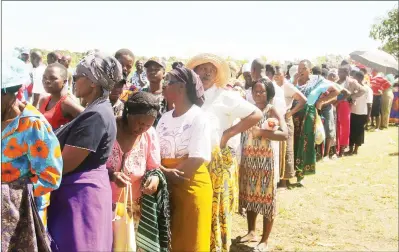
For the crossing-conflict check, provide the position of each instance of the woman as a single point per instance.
(386, 105)
(257, 182)
(394, 117)
(356, 90)
(291, 94)
(80, 213)
(135, 151)
(184, 137)
(224, 108)
(318, 92)
(59, 108)
(31, 165)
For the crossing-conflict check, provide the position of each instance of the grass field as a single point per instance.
(351, 204)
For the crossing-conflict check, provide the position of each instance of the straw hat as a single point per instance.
(223, 69)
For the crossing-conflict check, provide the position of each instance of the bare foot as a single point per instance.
(250, 237)
(261, 247)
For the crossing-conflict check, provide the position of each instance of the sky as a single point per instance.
(243, 30)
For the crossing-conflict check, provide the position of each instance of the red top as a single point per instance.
(379, 83)
(54, 116)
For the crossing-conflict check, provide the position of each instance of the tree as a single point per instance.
(387, 31)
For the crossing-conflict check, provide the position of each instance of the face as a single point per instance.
(259, 93)
(53, 82)
(127, 64)
(83, 86)
(25, 57)
(52, 59)
(139, 66)
(116, 92)
(279, 77)
(303, 71)
(207, 73)
(66, 61)
(342, 73)
(172, 89)
(36, 59)
(332, 77)
(247, 78)
(138, 124)
(155, 72)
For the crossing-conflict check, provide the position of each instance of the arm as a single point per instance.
(356, 89)
(70, 108)
(278, 135)
(301, 99)
(73, 157)
(36, 98)
(45, 164)
(240, 127)
(333, 92)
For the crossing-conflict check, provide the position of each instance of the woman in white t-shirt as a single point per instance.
(230, 115)
(185, 143)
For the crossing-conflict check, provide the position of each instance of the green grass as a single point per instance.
(351, 204)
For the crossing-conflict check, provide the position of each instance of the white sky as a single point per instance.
(242, 30)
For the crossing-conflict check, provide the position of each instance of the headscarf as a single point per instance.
(141, 103)
(246, 68)
(195, 88)
(15, 74)
(102, 70)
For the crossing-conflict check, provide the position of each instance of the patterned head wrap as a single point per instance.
(102, 70)
(195, 88)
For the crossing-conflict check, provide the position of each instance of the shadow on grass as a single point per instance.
(240, 247)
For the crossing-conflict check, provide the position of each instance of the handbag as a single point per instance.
(320, 134)
(123, 224)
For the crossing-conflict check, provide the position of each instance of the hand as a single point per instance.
(288, 114)
(319, 105)
(380, 91)
(225, 138)
(174, 176)
(151, 185)
(256, 131)
(120, 179)
(296, 78)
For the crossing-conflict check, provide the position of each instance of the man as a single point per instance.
(25, 55)
(117, 104)
(66, 61)
(126, 58)
(360, 112)
(139, 78)
(155, 68)
(53, 57)
(246, 73)
(37, 77)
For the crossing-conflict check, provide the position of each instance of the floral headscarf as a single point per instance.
(104, 71)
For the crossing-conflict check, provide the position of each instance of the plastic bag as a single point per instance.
(320, 134)
(123, 224)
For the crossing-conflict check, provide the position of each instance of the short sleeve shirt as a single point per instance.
(94, 130)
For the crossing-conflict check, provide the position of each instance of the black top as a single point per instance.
(95, 130)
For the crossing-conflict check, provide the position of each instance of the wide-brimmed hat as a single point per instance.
(223, 69)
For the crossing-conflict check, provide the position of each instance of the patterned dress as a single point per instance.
(257, 187)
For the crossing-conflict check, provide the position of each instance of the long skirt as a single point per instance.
(289, 170)
(304, 142)
(343, 124)
(80, 213)
(21, 226)
(357, 129)
(394, 117)
(222, 169)
(191, 210)
(386, 105)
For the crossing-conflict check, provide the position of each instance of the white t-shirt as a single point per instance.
(360, 106)
(37, 77)
(289, 91)
(188, 134)
(224, 107)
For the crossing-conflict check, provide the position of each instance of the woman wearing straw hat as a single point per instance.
(223, 107)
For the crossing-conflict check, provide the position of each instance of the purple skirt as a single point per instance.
(80, 212)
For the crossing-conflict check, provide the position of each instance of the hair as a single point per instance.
(122, 52)
(270, 69)
(324, 65)
(279, 69)
(324, 72)
(63, 69)
(52, 54)
(270, 92)
(344, 62)
(141, 103)
(288, 70)
(316, 70)
(307, 63)
(364, 70)
(359, 75)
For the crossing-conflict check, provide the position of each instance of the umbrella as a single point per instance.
(377, 59)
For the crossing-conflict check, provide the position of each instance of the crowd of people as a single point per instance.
(193, 145)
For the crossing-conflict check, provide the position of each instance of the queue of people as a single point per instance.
(193, 146)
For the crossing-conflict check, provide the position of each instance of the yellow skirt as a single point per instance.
(191, 210)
